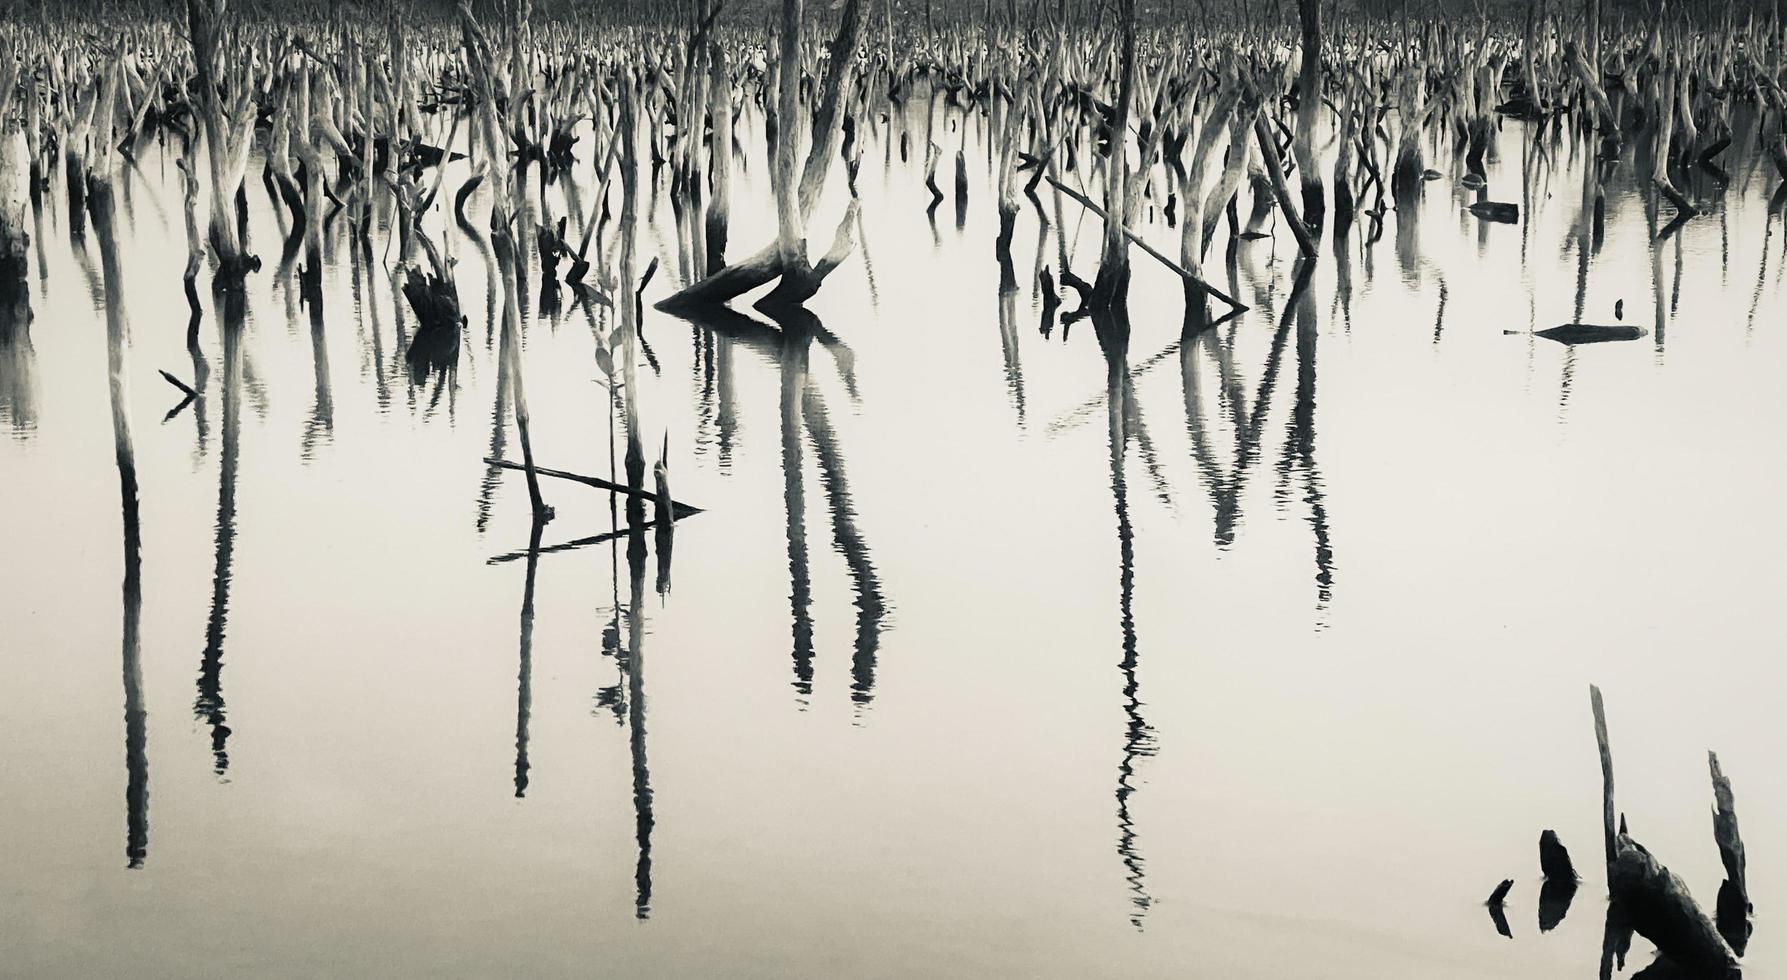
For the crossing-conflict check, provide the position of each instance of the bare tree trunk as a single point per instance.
(1111, 290)
(790, 230)
(205, 23)
(15, 240)
(1309, 106)
(720, 109)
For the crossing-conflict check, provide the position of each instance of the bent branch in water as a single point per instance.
(682, 510)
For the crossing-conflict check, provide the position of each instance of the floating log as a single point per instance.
(1497, 211)
(1590, 333)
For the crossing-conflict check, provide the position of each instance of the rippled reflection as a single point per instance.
(18, 400)
(136, 736)
(209, 705)
(1138, 735)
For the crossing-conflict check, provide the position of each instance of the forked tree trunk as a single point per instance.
(797, 193)
(205, 22)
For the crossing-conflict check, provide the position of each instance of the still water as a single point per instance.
(994, 652)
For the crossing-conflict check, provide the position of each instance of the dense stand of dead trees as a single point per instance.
(1117, 112)
(344, 113)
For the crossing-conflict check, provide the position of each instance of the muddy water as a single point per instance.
(994, 652)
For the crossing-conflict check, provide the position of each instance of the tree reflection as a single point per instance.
(802, 409)
(1138, 735)
(209, 705)
(18, 397)
(136, 735)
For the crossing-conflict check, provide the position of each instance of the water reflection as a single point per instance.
(320, 427)
(804, 416)
(1237, 398)
(1008, 339)
(1499, 916)
(792, 358)
(136, 736)
(1555, 896)
(18, 399)
(1299, 454)
(1138, 735)
(524, 681)
(643, 820)
(847, 539)
(209, 704)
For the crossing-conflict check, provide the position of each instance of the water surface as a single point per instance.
(1258, 653)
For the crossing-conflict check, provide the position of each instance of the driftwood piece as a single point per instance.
(1657, 905)
(1609, 836)
(1646, 897)
(1497, 211)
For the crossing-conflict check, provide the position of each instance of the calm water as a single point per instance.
(1269, 659)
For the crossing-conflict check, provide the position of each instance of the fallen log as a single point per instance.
(1497, 211)
(1590, 333)
(1135, 239)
